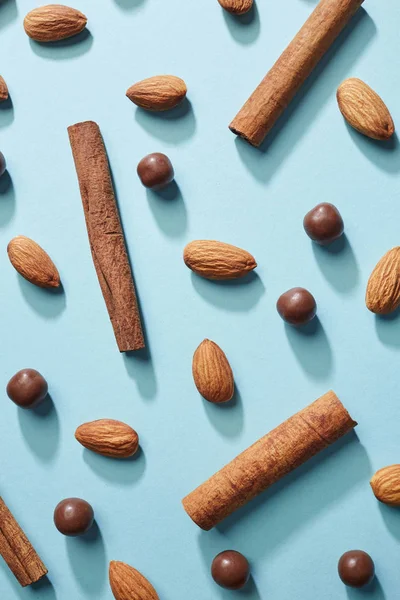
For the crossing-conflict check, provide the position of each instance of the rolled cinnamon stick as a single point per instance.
(272, 457)
(292, 68)
(106, 236)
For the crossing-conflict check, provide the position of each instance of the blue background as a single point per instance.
(294, 534)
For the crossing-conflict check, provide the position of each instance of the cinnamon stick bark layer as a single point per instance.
(17, 550)
(106, 236)
(272, 457)
(292, 68)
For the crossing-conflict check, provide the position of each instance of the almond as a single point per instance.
(32, 262)
(383, 289)
(212, 373)
(217, 260)
(364, 110)
(386, 485)
(128, 584)
(3, 90)
(158, 93)
(53, 23)
(236, 7)
(108, 437)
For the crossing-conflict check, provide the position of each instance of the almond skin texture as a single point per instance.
(54, 22)
(217, 260)
(128, 584)
(108, 437)
(386, 485)
(32, 262)
(212, 373)
(158, 93)
(364, 110)
(3, 90)
(236, 7)
(383, 289)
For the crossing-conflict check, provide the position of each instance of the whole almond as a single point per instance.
(364, 110)
(158, 93)
(54, 22)
(217, 260)
(236, 7)
(128, 584)
(108, 437)
(386, 485)
(383, 289)
(212, 373)
(3, 90)
(32, 262)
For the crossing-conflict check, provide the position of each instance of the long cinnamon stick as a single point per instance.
(292, 68)
(272, 457)
(106, 236)
(17, 550)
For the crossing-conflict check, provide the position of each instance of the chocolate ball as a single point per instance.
(27, 388)
(73, 516)
(155, 171)
(297, 306)
(3, 164)
(230, 570)
(356, 568)
(323, 224)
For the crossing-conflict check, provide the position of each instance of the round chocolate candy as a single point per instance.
(73, 516)
(356, 568)
(323, 224)
(27, 388)
(155, 171)
(230, 570)
(297, 306)
(3, 164)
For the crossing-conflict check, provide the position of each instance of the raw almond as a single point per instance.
(108, 437)
(128, 584)
(3, 90)
(217, 260)
(212, 373)
(236, 7)
(383, 289)
(386, 485)
(158, 93)
(54, 22)
(32, 262)
(364, 110)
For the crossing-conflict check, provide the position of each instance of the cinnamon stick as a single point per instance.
(272, 457)
(292, 68)
(106, 236)
(17, 550)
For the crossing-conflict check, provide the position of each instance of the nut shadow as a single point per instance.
(6, 112)
(121, 471)
(48, 303)
(170, 126)
(227, 417)
(311, 348)
(7, 199)
(373, 591)
(72, 47)
(129, 4)
(8, 12)
(169, 210)
(87, 557)
(391, 518)
(388, 329)
(235, 295)
(40, 428)
(245, 29)
(384, 154)
(338, 264)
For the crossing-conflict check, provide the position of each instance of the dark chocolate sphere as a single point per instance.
(3, 164)
(73, 516)
(323, 224)
(297, 306)
(230, 570)
(155, 171)
(27, 388)
(356, 568)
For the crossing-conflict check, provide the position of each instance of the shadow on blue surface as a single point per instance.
(139, 367)
(311, 348)
(227, 417)
(7, 199)
(87, 557)
(48, 303)
(171, 126)
(6, 112)
(338, 264)
(245, 29)
(231, 295)
(391, 517)
(384, 154)
(373, 591)
(40, 428)
(64, 49)
(169, 210)
(125, 471)
(41, 590)
(8, 12)
(281, 141)
(388, 328)
(129, 4)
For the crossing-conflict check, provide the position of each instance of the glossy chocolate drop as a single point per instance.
(155, 171)
(356, 568)
(27, 388)
(324, 224)
(230, 569)
(297, 306)
(73, 516)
